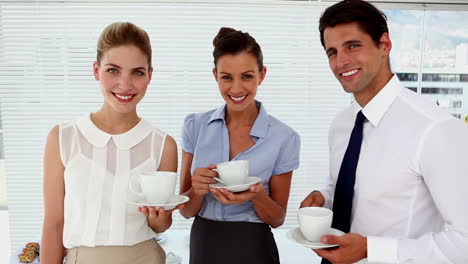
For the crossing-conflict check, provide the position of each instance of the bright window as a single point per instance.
(430, 54)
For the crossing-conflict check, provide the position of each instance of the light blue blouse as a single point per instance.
(276, 151)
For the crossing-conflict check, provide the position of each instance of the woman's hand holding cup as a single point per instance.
(202, 178)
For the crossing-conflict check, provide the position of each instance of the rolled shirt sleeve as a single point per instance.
(188, 131)
(288, 157)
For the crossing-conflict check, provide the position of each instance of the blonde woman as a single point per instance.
(88, 163)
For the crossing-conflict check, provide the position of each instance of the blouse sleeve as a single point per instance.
(188, 134)
(288, 158)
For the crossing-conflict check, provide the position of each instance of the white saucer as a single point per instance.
(251, 180)
(171, 204)
(296, 236)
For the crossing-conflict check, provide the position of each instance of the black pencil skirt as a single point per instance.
(215, 242)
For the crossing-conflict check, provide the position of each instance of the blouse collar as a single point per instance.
(123, 141)
(260, 126)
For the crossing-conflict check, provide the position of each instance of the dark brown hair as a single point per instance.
(231, 41)
(370, 19)
(120, 34)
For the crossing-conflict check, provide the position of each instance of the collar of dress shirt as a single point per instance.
(99, 138)
(260, 127)
(378, 106)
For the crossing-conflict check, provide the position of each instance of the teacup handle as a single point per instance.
(130, 185)
(217, 178)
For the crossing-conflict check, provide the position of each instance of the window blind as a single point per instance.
(46, 54)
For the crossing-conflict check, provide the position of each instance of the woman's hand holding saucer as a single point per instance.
(159, 220)
(227, 197)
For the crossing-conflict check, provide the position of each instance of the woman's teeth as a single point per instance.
(237, 98)
(123, 97)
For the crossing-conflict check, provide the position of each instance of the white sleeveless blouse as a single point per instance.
(98, 167)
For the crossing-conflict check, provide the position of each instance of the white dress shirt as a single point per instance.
(98, 167)
(411, 179)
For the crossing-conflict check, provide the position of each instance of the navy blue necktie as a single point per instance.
(344, 190)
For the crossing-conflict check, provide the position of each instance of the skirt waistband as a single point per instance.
(146, 252)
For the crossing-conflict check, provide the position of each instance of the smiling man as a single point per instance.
(398, 169)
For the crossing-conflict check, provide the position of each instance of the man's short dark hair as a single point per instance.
(370, 19)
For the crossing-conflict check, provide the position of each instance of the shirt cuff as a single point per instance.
(382, 250)
(326, 192)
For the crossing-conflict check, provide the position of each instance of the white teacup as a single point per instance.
(314, 222)
(233, 172)
(156, 186)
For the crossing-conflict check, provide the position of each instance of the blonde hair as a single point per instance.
(120, 34)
